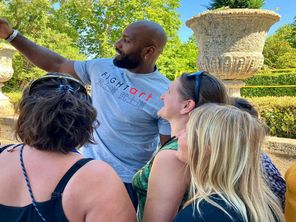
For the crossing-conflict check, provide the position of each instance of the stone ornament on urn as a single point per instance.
(230, 43)
(6, 71)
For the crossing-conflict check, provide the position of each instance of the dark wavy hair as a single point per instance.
(244, 105)
(55, 114)
(211, 89)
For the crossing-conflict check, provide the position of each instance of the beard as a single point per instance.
(131, 61)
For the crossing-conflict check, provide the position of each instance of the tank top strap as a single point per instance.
(172, 139)
(2, 148)
(63, 182)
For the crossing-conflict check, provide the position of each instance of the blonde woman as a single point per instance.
(270, 172)
(223, 155)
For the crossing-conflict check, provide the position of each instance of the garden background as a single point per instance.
(85, 29)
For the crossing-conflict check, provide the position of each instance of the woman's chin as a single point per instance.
(163, 116)
(161, 113)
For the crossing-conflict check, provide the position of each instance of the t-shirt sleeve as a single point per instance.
(164, 127)
(82, 70)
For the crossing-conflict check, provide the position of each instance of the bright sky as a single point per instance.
(190, 8)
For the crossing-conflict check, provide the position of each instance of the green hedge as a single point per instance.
(278, 113)
(261, 92)
(272, 79)
(285, 71)
(14, 97)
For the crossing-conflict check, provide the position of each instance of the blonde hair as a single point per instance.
(224, 148)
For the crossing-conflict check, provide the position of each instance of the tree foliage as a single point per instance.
(100, 23)
(216, 4)
(80, 29)
(34, 18)
(279, 50)
(292, 38)
(178, 58)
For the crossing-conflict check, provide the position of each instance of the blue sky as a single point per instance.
(190, 8)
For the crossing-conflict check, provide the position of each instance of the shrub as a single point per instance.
(215, 4)
(273, 79)
(274, 84)
(14, 97)
(278, 113)
(273, 71)
(271, 91)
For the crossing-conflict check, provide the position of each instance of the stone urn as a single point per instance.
(230, 43)
(6, 71)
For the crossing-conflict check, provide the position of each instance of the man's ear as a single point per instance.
(148, 51)
(189, 105)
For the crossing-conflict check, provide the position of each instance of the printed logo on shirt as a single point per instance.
(127, 93)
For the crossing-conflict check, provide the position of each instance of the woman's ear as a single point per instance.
(189, 105)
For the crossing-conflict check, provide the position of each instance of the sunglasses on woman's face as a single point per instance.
(197, 81)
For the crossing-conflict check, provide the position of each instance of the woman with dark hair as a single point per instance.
(162, 183)
(45, 178)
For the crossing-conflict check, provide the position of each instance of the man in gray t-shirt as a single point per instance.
(125, 92)
(127, 105)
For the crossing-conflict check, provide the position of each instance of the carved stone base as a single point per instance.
(6, 71)
(6, 108)
(233, 87)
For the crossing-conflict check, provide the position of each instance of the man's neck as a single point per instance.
(144, 69)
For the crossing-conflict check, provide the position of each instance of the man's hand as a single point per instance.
(5, 29)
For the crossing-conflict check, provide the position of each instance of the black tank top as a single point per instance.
(51, 209)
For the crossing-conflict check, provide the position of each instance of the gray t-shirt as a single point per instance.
(127, 105)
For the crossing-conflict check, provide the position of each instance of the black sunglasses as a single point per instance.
(197, 81)
(68, 83)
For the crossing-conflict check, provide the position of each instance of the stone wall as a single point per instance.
(7, 126)
(282, 151)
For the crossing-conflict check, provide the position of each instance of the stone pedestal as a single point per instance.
(233, 87)
(6, 71)
(230, 42)
(6, 108)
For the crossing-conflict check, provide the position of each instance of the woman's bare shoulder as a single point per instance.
(98, 190)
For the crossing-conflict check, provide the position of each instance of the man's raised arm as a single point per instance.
(38, 55)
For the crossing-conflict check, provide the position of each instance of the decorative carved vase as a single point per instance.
(6, 71)
(230, 43)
